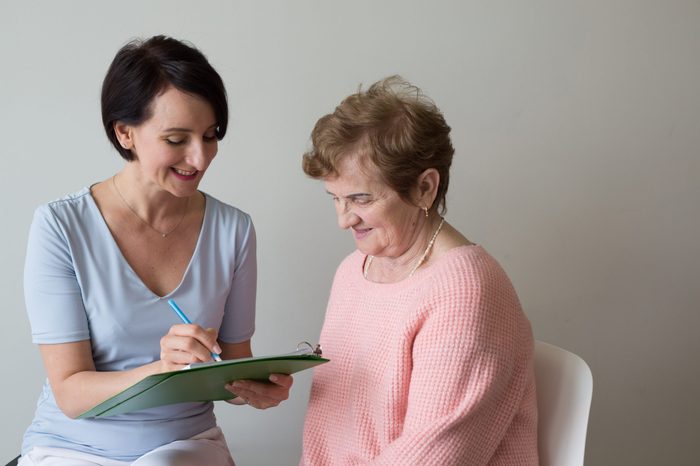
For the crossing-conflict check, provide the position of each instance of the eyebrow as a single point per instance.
(185, 130)
(351, 196)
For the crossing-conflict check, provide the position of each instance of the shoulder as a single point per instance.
(67, 203)
(352, 259)
(224, 209)
(469, 278)
(227, 229)
(61, 226)
(351, 263)
(468, 264)
(471, 290)
(68, 210)
(227, 216)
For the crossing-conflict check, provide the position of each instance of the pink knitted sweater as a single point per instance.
(433, 370)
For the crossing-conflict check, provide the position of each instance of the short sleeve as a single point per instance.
(52, 295)
(239, 316)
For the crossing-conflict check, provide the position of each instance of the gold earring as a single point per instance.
(425, 209)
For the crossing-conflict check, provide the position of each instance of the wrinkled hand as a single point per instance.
(261, 395)
(185, 344)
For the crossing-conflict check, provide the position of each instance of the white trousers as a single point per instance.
(207, 448)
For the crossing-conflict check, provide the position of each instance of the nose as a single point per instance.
(201, 154)
(346, 217)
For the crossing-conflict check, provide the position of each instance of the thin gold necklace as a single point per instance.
(162, 234)
(422, 258)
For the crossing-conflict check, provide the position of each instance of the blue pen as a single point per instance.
(184, 318)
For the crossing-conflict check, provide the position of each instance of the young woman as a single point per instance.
(102, 262)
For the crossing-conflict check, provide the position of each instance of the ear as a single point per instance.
(427, 187)
(124, 135)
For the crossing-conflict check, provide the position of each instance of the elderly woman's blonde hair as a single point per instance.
(399, 129)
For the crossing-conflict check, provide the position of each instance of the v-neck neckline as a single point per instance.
(122, 258)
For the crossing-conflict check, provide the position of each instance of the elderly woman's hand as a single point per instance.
(261, 395)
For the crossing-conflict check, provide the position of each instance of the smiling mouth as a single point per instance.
(184, 172)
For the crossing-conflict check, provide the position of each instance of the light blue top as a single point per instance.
(78, 286)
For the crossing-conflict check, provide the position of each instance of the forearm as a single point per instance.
(468, 382)
(85, 389)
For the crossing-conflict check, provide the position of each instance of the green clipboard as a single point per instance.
(203, 381)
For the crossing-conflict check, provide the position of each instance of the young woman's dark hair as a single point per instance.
(143, 69)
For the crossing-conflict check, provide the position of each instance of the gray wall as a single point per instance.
(577, 128)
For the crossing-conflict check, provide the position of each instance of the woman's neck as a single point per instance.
(387, 269)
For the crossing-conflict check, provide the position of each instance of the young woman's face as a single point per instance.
(382, 223)
(175, 146)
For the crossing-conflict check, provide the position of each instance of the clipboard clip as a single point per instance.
(305, 347)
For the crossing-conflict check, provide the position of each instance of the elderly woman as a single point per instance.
(431, 354)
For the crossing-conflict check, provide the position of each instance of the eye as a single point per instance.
(210, 137)
(174, 141)
(362, 200)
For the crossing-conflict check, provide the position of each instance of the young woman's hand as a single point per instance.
(261, 395)
(186, 344)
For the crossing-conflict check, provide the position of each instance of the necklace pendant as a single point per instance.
(133, 211)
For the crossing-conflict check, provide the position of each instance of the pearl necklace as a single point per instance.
(162, 234)
(422, 258)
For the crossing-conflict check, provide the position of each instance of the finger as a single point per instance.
(238, 401)
(180, 358)
(166, 366)
(210, 340)
(206, 337)
(185, 345)
(260, 394)
(277, 389)
(283, 380)
(258, 403)
(178, 347)
(241, 397)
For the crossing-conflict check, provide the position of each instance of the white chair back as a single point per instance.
(564, 391)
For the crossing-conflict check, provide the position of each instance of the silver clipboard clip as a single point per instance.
(305, 347)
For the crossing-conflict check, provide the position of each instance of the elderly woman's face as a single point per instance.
(382, 223)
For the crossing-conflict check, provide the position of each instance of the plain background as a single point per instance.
(577, 129)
